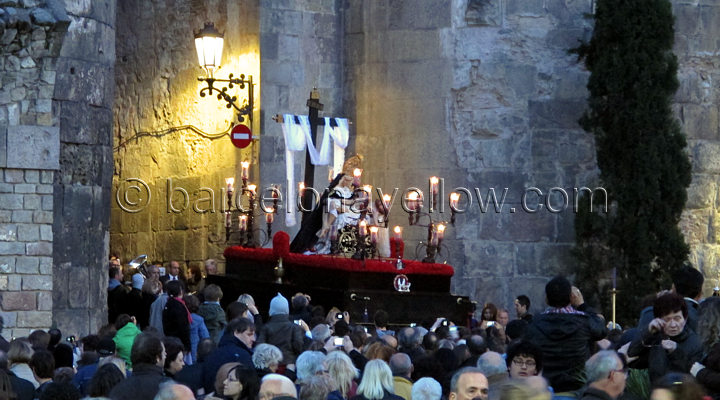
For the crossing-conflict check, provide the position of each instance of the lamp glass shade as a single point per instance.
(209, 47)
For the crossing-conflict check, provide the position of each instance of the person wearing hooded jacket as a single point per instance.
(565, 332)
(235, 346)
(281, 332)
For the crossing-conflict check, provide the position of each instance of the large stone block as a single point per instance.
(75, 321)
(28, 233)
(27, 265)
(555, 114)
(12, 248)
(18, 301)
(705, 155)
(486, 258)
(87, 39)
(33, 147)
(82, 124)
(85, 82)
(34, 319)
(78, 296)
(419, 14)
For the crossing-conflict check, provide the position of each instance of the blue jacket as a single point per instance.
(198, 331)
(230, 349)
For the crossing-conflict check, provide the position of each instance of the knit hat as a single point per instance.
(137, 281)
(279, 305)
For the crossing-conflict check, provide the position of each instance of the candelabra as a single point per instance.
(249, 235)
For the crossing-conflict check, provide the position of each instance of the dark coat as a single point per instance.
(388, 396)
(565, 340)
(285, 335)
(137, 307)
(117, 302)
(142, 385)
(24, 390)
(191, 376)
(710, 375)
(175, 321)
(230, 349)
(658, 360)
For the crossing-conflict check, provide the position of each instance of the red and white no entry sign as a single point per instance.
(240, 136)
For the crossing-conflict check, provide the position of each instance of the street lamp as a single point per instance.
(209, 46)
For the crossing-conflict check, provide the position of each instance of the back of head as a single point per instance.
(682, 386)
(55, 336)
(533, 388)
(400, 364)
(476, 345)
(39, 339)
(381, 318)
(104, 379)
(282, 386)
(299, 302)
(174, 391)
(205, 348)
(146, 349)
(213, 292)
(60, 391)
(430, 341)
(516, 329)
(279, 305)
(426, 389)
(191, 302)
(492, 364)
(173, 288)
(557, 292)
(377, 378)
(309, 363)
(20, 351)
(688, 281)
(42, 363)
(599, 366)
(316, 387)
(321, 332)
(235, 309)
(266, 355)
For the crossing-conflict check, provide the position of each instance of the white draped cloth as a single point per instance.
(298, 138)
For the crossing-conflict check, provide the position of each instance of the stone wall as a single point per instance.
(167, 136)
(301, 49)
(697, 106)
(83, 102)
(30, 41)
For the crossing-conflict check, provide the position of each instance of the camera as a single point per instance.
(339, 315)
(70, 339)
(297, 322)
(445, 323)
(338, 341)
(412, 324)
(453, 329)
(491, 323)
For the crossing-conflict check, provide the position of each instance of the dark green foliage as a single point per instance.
(640, 152)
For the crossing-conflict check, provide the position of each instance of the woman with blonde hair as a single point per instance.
(19, 355)
(343, 371)
(377, 382)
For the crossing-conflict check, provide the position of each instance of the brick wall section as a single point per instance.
(29, 149)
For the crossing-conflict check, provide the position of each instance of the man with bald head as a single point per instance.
(174, 391)
(402, 368)
(467, 384)
(276, 385)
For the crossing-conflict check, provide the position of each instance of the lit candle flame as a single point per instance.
(229, 182)
(357, 172)
(245, 167)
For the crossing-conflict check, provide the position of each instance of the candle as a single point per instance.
(252, 188)
(397, 232)
(454, 199)
(440, 231)
(356, 176)
(373, 234)
(301, 188)
(362, 228)
(269, 215)
(434, 238)
(228, 219)
(434, 184)
(386, 202)
(331, 174)
(412, 201)
(243, 223)
(229, 182)
(368, 190)
(245, 169)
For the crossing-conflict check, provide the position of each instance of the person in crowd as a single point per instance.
(212, 312)
(708, 372)
(565, 332)
(42, 364)
(135, 302)
(477, 346)
(156, 310)
(116, 294)
(176, 316)
(235, 346)
(381, 319)
(104, 380)
(503, 317)
(240, 383)
(379, 350)
(677, 386)
(319, 387)
(280, 331)
(198, 330)
(320, 334)
(22, 389)
(343, 372)
(301, 308)
(151, 290)
(533, 388)
(606, 376)
(174, 391)
(667, 344)
(410, 342)
(523, 360)
(687, 283)
(39, 339)
(148, 358)
(488, 313)
(60, 391)
(426, 389)
(310, 363)
(211, 266)
(174, 356)
(192, 375)
(493, 366)
(515, 330)
(19, 357)
(105, 348)
(468, 384)
(275, 385)
(174, 274)
(402, 368)
(116, 361)
(376, 383)
(195, 280)
(127, 331)
(220, 378)
(266, 359)
(522, 308)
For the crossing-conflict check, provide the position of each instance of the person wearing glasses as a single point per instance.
(524, 360)
(606, 376)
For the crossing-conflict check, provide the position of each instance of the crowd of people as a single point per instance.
(168, 337)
